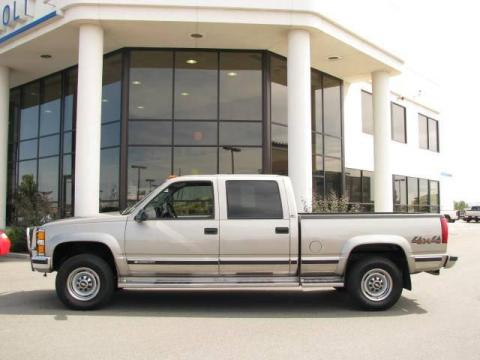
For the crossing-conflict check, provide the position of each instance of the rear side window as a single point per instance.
(252, 199)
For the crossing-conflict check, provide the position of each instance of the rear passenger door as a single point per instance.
(254, 228)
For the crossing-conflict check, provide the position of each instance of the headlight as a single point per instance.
(40, 236)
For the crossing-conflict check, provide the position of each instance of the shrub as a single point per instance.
(18, 238)
(333, 204)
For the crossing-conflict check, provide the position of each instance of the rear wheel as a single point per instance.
(375, 283)
(85, 282)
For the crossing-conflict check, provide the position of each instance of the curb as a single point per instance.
(18, 256)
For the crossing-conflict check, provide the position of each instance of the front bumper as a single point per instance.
(41, 263)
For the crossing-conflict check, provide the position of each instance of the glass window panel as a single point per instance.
(110, 135)
(367, 186)
(109, 179)
(148, 167)
(424, 198)
(317, 165)
(278, 73)
(149, 132)
(195, 160)
(112, 88)
(27, 149)
(49, 146)
(317, 111)
(151, 84)
(332, 107)
(318, 185)
(13, 114)
(67, 142)
(69, 99)
(422, 131)
(333, 147)
(280, 136)
(279, 161)
(317, 144)
(29, 111)
(67, 165)
(48, 177)
(195, 133)
(233, 133)
(400, 193)
(196, 74)
(240, 86)
(432, 135)
(412, 194)
(50, 106)
(253, 200)
(434, 193)
(237, 160)
(367, 113)
(333, 177)
(27, 168)
(398, 123)
(353, 185)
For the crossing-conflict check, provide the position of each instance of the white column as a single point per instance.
(299, 118)
(383, 193)
(88, 130)
(4, 105)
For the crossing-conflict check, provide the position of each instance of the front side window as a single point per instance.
(251, 199)
(183, 200)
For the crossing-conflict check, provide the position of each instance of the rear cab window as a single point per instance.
(253, 199)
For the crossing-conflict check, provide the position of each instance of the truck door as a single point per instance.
(254, 228)
(179, 234)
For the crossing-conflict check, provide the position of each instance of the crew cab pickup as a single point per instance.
(237, 232)
(472, 214)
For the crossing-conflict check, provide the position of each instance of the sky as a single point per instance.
(439, 39)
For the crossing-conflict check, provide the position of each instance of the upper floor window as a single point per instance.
(367, 113)
(428, 133)
(399, 123)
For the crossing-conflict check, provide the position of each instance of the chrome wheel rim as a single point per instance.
(83, 284)
(377, 284)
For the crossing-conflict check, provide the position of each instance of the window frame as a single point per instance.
(365, 92)
(392, 104)
(437, 129)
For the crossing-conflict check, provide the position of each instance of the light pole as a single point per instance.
(139, 169)
(232, 150)
(150, 182)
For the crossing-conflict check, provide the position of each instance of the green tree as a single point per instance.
(334, 204)
(460, 205)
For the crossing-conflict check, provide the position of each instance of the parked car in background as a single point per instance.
(472, 214)
(4, 243)
(451, 215)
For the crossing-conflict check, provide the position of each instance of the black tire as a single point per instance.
(387, 272)
(468, 220)
(86, 269)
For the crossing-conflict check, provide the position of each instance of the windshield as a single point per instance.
(131, 208)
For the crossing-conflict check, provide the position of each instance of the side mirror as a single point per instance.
(141, 216)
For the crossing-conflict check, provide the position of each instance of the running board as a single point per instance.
(228, 282)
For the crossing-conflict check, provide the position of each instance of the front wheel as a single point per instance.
(375, 283)
(85, 282)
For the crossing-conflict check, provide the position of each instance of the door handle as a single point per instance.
(281, 230)
(210, 231)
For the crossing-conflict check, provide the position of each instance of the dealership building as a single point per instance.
(100, 101)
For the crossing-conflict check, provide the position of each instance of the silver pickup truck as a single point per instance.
(237, 232)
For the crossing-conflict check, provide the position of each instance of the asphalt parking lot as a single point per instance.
(439, 319)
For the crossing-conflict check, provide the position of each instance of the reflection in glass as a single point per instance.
(353, 185)
(27, 149)
(332, 116)
(432, 135)
(67, 142)
(112, 88)
(233, 133)
(400, 193)
(279, 150)
(110, 135)
(368, 186)
(398, 123)
(423, 195)
(29, 111)
(195, 133)
(240, 86)
(423, 131)
(151, 77)
(279, 100)
(333, 177)
(195, 160)
(49, 145)
(317, 144)
(318, 186)
(317, 100)
(196, 85)
(48, 177)
(333, 147)
(109, 179)
(367, 113)
(69, 106)
(240, 160)
(149, 132)
(412, 194)
(434, 196)
(50, 106)
(148, 167)
(27, 168)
